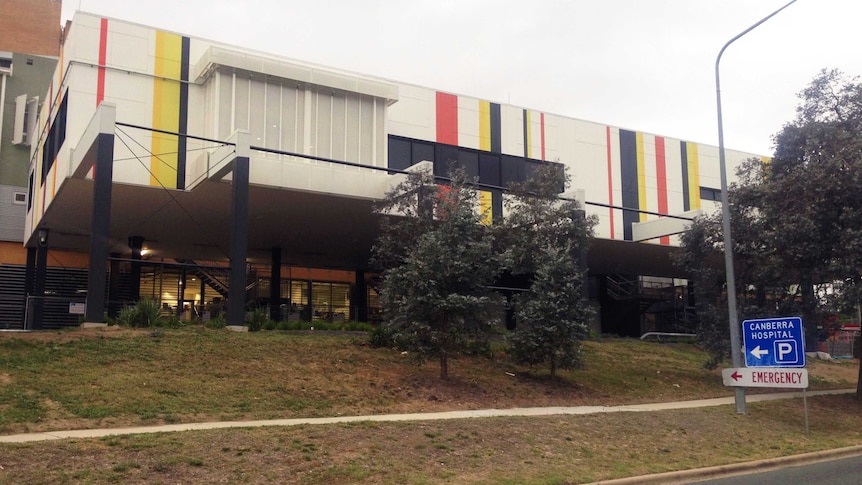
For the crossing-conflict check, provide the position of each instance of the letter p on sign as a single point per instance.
(786, 351)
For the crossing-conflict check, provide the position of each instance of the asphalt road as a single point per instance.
(846, 471)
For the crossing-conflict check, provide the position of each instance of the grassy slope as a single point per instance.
(98, 379)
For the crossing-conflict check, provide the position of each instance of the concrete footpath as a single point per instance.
(478, 413)
(678, 477)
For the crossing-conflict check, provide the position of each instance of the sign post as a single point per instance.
(774, 357)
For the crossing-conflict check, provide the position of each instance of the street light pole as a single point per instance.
(735, 345)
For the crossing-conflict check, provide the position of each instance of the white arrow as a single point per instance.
(757, 352)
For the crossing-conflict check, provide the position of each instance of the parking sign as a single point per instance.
(774, 342)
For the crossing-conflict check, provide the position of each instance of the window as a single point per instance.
(491, 168)
(707, 193)
(19, 198)
(55, 139)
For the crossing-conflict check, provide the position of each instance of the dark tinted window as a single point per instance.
(399, 153)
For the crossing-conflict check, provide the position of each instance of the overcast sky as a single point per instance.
(646, 65)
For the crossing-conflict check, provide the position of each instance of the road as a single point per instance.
(846, 471)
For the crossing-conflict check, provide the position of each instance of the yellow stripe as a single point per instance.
(166, 109)
(765, 160)
(642, 201)
(485, 125)
(529, 135)
(693, 176)
(486, 207)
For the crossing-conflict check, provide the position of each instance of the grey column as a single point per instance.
(38, 306)
(100, 228)
(114, 303)
(238, 232)
(275, 286)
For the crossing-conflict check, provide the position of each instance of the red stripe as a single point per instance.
(542, 119)
(103, 58)
(610, 180)
(447, 118)
(661, 175)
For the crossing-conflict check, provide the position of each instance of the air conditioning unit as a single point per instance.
(6, 63)
(26, 111)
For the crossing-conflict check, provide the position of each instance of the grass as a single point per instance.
(97, 378)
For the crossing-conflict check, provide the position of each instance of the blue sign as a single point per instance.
(774, 342)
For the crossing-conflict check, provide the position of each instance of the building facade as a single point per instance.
(163, 154)
(29, 48)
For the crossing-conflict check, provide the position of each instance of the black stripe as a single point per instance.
(686, 198)
(184, 115)
(496, 137)
(526, 138)
(629, 180)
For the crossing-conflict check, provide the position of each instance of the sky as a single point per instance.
(645, 65)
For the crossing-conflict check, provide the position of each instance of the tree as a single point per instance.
(438, 263)
(545, 239)
(797, 219)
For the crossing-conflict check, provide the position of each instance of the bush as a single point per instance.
(216, 322)
(148, 312)
(126, 317)
(258, 318)
(381, 337)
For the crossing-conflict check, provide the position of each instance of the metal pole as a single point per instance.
(735, 344)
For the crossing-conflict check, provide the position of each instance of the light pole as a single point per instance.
(735, 344)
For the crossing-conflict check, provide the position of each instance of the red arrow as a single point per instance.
(736, 375)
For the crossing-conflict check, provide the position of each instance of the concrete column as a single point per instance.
(239, 232)
(103, 175)
(114, 304)
(275, 286)
(38, 306)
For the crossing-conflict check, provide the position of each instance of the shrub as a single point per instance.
(381, 337)
(148, 312)
(258, 319)
(216, 322)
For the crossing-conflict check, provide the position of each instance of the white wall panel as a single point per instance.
(130, 47)
(675, 200)
(468, 122)
(273, 104)
(257, 111)
(289, 114)
(512, 130)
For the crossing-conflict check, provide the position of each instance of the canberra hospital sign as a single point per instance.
(774, 350)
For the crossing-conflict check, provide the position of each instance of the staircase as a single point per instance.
(206, 276)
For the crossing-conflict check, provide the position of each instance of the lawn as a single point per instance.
(106, 378)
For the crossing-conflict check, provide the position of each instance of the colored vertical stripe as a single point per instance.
(490, 127)
(642, 199)
(610, 180)
(166, 109)
(103, 60)
(542, 119)
(184, 113)
(496, 129)
(686, 193)
(693, 175)
(486, 204)
(447, 118)
(629, 180)
(661, 181)
(485, 126)
(528, 147)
